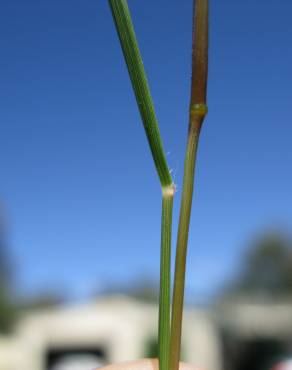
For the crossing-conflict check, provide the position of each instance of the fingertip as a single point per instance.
(145, 364)
(185, 366)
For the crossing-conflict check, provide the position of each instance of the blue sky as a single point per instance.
(77, 179)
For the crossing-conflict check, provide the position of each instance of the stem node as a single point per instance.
(198, 111)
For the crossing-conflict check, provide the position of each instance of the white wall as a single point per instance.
(120, 324)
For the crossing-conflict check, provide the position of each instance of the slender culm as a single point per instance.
(125, 29)
(198, 110)
(200, 52)
(164, 298)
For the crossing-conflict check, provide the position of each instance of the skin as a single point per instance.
(145, 364)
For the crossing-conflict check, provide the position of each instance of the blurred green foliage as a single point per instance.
(7, 311)
(267, 268)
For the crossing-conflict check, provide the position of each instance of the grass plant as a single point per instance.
(141, 89)
(169, 331)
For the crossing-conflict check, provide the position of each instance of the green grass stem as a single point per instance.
(125, 29)
(198, 110)
(165, 278)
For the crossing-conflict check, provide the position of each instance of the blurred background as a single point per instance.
(80, 199)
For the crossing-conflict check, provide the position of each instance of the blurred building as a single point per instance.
(112, 329)
(256, 334)
(254, 316)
